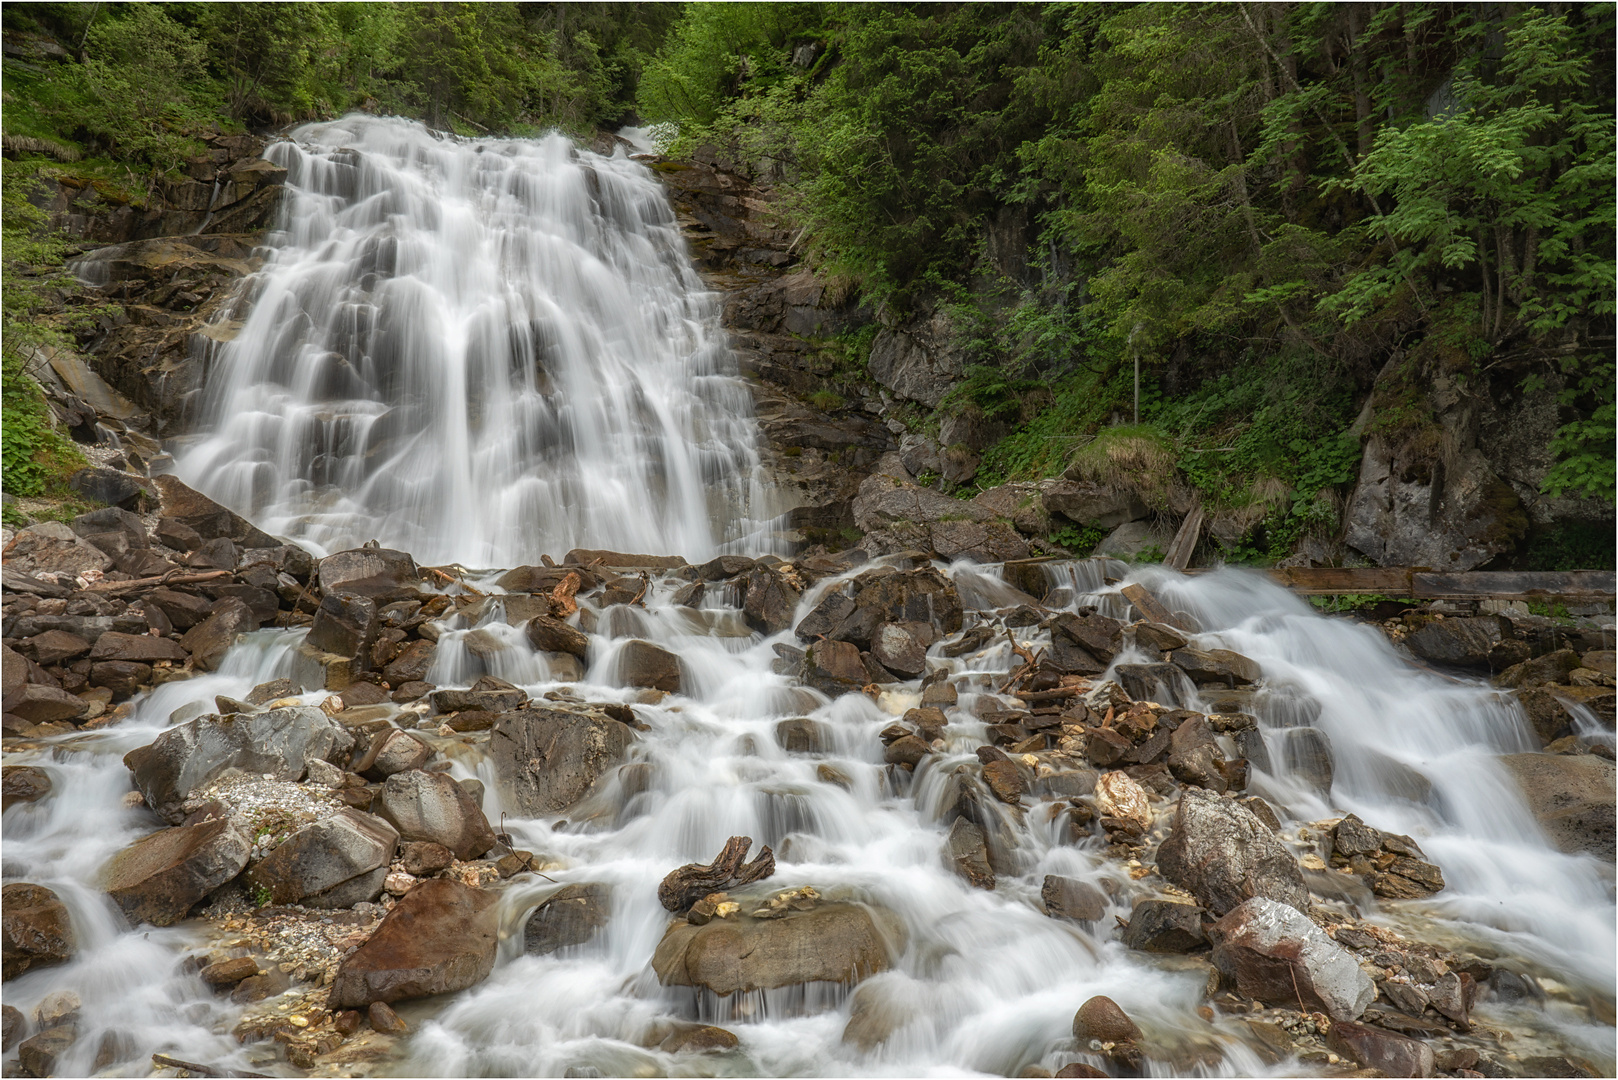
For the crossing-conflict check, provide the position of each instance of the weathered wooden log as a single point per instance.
(690, 883)
(163, 1061)
(1150, 606)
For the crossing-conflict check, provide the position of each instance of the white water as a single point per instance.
(477, 350)
(986, 984)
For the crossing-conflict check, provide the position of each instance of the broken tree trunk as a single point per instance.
(690, 883)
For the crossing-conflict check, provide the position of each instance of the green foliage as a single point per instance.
(1569, 545)
(1079, 539)
(826, 400)
(1341, 603)
(1584, 447)
(262, 896)
(989, 391)
(36, 459)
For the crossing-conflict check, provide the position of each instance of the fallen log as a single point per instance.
(690, 883)
(1150, 606)
(1059, 694)
(173, 577)
(163, 1061)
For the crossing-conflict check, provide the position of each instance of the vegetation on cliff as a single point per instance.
(1286, 215)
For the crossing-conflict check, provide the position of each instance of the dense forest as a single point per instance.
(1281, 222)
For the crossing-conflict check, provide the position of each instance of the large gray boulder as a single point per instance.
(430, 806)
(1276, 954)
(1571, 796)
(1223, 855)
(160, 877)
(312, 865)
(836, 942)
(54, 548)
(897, 514)
(548, 759)
(280, 742)
(441, 937)
(1090, 504)
(366, 572)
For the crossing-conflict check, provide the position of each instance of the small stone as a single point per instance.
(398, 883)
(1101, 1018)
(347, 1021)
(384, 1020)
(57, 1008)
(229, 972)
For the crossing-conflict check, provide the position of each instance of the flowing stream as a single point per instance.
(478, 351)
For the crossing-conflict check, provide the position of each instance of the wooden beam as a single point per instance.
(1185, 540)
(1150, 606)
(1332, 580)
(1512, 585)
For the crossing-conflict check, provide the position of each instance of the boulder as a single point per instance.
(1021, 504)
(621, 560)
(1274, 953)
(412, 663)
(801, 735)
(35, 930)
(1135, 541)
(1005, 779)
(392, 751)
(56, 646)
(1571, 796)
(1553, 667)
(280, 742)
(160, 877)
(1388, 1053)
(550, 634)
(209, 520)
(54, 548)
(41, 704)
(345, 625)
(967, 850)
(1306, 753)
(182, 609)
(441, 937)
(907, 750)
(898, 649)
(1194, 755)
(123, 677)
(1223, 855)
(219, 554)
(1159, 682)
(1164, 926)
(209, 640)
(768, 600)
(136, 648)
(1100, 1018)
(640, 663)
(1550, 708)
(23, 784)
(839, 943)
(430, 806)
(1119, 795)
(917, 596)
(1067, 898)
(42, 1054)
(348, 846)
(366, 572)
(548, 759)
(481, 700)
(1216, 666)
(1092, 505)
(1097, 635)
(570, 916)
(1457, 642)
(834, 667)
(12, 1026)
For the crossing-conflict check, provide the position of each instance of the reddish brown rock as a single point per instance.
(1375, 1048)
(160, 877)
(35, 930)
(441, 937)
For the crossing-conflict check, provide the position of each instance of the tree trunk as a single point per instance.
(690, 883)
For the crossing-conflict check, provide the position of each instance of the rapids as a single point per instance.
(484, 350)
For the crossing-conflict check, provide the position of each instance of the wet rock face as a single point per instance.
(23, 784)
(572, 915)
(1066, 898)
(549, 759)
(898, 515)
(835, 942)
(1389, 1053)
(280, 742)
(1100, 1018)
(441, 937)
(1164, 926)
(1276, 954)
(1458, 642)
(1223, 855)
(160, 877)
(643, 664)
(35, 930)
(1571, 797)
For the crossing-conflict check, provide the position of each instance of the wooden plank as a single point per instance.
(1513, 585)
(1149, 606)
(1333, 580)
(1185, 540)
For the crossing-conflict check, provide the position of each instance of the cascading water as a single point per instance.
(638, 443)
(477, 351)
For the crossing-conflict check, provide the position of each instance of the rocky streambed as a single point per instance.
(624, 815)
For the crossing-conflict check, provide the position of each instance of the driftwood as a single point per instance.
(1151, 607)
(1029, 666)
(562, 602)
(1061, 693)
(690, 883)
(163, 1061)
(173, 577)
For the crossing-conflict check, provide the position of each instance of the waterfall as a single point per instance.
(479, 350)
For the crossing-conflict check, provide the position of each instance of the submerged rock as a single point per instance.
(836, 942)
(1276, 954)
(572, 915)
(440, 937)
(1066, 898)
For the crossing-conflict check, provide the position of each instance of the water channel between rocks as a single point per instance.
(645, 444)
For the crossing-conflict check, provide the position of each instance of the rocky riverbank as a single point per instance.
(312, 835)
